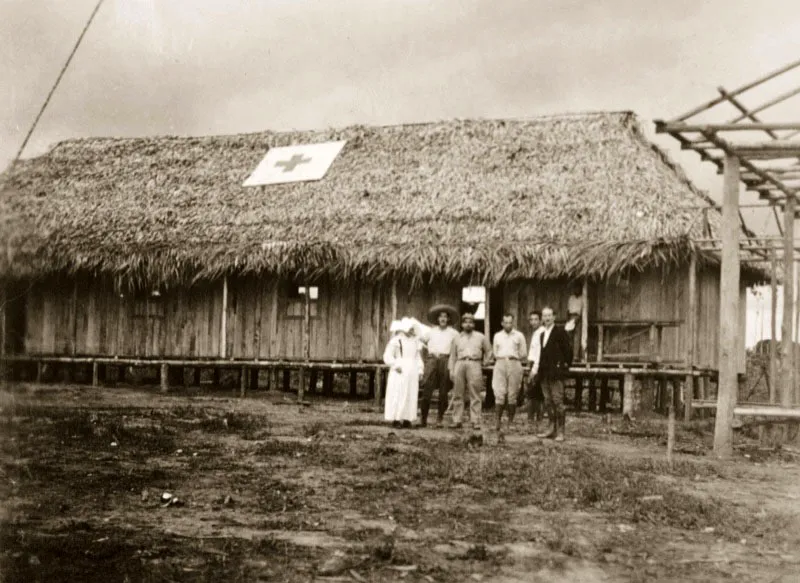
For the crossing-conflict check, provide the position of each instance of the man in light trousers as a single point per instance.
(470, 352)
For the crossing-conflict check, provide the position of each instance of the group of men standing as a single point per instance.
(456, 359)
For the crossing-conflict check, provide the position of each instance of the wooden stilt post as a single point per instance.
(39, 371)
(327, 383)
(585, 322)
(223, 321)
(164, 378)
(378, 386)
(773, 341)
(353, 384)
(287, 380)
(372, 384)
(796, 328)
(95, 374)
(628, 397)
(728, 385)
(787, 346)
(691, 339)
(671, 421)
(253, 381)
(242, 381)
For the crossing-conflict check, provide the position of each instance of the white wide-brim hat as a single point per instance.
(404, 325)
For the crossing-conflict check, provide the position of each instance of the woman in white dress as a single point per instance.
(404, 358)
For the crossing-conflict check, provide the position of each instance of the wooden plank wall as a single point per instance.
(351, 323)
(352, 320)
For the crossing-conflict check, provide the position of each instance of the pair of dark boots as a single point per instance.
(401, 424)
(557, 423)
(512, 410)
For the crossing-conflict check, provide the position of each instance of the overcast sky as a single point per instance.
(226, 66)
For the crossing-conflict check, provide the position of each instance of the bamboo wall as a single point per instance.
(351, 322)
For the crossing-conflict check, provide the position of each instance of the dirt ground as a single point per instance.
(268, 490)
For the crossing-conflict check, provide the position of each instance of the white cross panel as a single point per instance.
(299, 163)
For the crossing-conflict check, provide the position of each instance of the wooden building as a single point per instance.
(151, 248)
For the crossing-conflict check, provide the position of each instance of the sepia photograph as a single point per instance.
(424, 291)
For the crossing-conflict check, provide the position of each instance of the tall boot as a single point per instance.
(553, 426)
(500, 409)
(425, 407)
(561, 420)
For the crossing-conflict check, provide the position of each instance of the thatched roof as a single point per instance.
(570, 195)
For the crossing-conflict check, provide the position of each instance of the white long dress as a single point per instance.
(402, 388)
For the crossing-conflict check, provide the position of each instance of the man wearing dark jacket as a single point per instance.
(555, 358)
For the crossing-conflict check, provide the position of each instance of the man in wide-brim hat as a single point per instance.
(439, 342)
(436, 311)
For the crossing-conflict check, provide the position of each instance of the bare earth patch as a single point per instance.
(264, 490)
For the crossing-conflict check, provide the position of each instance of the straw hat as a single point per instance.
(433, 313)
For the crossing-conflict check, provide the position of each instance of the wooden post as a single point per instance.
(223, 322)
(253, 380)
(39, 372)
(773, 341)
(671, 422)
(628, 396)
(372, 384)
(353, 383)
(585, 322)
(796, 328)
(243, 381)
(287, 380)
(306, 342)
(164, 378)
(600, 334)
(787, 345)
(378, 386)
(74, 315)
(487, 327)
(95, 374)
(728, 385)
(653, 341)
(691, 332)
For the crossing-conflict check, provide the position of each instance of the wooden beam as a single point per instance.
(691, 332)
(787, 348)
(779, 99)
(739, 91)
(675, 127)
(729, 311)
(773, 341)
(585, 321)
(223, 325)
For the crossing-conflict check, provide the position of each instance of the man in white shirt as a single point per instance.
(509, 351)
(439, 342)
(535, 404)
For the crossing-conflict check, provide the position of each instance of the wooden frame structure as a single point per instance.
(772, 169)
